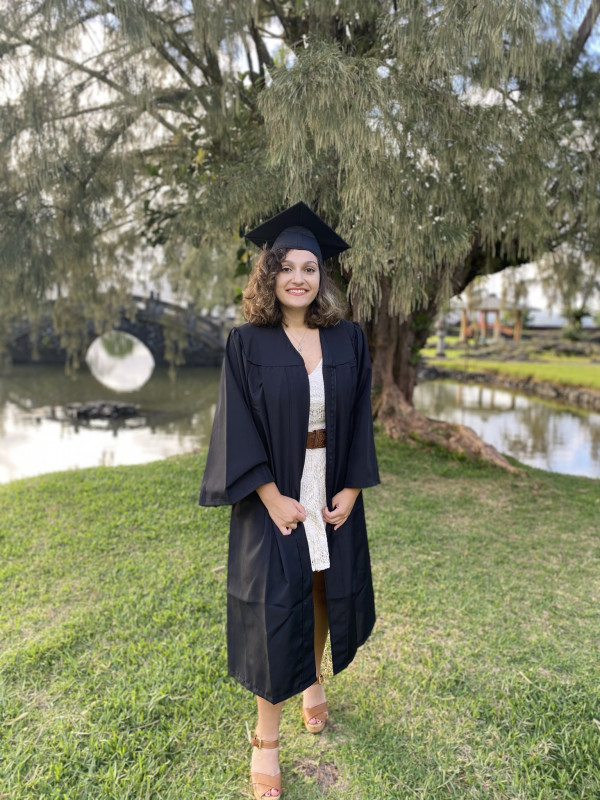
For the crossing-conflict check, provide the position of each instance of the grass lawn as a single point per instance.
(531, 359)
(481, 680)
(569, 372)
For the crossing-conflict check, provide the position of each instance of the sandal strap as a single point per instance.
(266, 782)
(256, 741)
(315, 711)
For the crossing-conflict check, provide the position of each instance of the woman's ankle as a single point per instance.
(313, 695)
(265, 760)
(266, 734)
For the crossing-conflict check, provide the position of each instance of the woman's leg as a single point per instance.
(266, 760)
(315, 695)
(321, 620)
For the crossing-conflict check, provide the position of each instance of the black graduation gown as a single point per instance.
(259, 435)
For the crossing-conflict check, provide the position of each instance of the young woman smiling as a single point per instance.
(291, 449)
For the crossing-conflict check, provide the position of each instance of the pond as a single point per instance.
(538, 433)
(37, 436)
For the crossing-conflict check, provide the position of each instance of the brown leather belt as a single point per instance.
(316, 439)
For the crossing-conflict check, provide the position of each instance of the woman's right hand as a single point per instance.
(285, 512)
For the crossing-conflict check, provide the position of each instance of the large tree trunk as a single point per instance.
(395, 343)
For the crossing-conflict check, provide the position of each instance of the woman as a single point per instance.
(291, 449)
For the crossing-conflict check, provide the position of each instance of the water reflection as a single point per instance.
(36, 436)
(120, 361)
(541, 434)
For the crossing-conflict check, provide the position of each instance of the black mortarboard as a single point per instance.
(298, 228)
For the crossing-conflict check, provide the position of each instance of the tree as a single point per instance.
(572, 280)
(515, 292)
(439, 137)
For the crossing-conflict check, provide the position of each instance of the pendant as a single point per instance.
(300, 349)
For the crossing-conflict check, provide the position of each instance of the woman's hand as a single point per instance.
(343, 503)
(285, 512)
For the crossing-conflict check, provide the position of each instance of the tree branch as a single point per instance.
(103, 78)
(113, 138)
(165, 31)
(264, 57)
(281, 16)
(7, 47)
(584, 32)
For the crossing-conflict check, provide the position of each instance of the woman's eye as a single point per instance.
(310, 269)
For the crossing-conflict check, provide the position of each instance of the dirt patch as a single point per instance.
(325, 773)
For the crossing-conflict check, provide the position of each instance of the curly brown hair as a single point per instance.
(261, 306)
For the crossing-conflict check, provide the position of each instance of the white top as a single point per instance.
(312, 485)
(316, 414)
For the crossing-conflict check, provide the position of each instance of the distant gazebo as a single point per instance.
(491, 304)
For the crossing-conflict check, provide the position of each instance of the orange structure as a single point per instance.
(490, 304)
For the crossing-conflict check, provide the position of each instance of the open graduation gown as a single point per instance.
(259, 435)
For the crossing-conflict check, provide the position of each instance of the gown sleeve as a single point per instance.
(237, 462)
(362, 468)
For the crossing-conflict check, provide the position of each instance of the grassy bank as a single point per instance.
(481, 679)
(566, 373)
(540, 358)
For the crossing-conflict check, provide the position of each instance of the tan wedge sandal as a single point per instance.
(262, 783)
(319, 712)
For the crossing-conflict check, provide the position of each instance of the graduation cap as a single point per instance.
(298, 228)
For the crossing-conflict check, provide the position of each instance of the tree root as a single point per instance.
(402, 421)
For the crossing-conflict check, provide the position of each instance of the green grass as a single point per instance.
(543, 358)
(481, 679)
(569, 372)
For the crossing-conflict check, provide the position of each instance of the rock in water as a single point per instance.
(102, 409)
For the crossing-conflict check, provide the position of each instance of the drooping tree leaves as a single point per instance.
(443, 138)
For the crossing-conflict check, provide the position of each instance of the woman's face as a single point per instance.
(297, 282)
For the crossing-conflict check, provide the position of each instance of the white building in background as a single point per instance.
(539, 315)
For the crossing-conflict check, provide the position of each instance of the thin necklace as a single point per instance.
(299, 341)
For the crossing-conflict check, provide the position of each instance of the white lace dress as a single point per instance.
(312, 485)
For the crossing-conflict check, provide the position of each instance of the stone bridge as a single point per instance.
(171, 333)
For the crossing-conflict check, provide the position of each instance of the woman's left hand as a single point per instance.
(343, 503)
